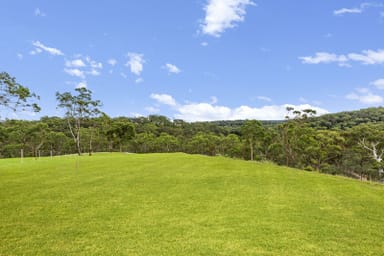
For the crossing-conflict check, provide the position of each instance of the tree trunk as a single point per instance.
(90, 147)
(251, 146)
(78, 146)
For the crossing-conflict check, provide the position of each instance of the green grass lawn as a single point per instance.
(178, 204)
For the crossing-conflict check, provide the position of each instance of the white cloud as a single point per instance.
(164, 99)
(135, 63)
(209, 112)
(41, 47)
(112, 62)
(214, 100)
(379, 84)
(75, 72)
(223, 14)
(172, 68)
(366, 57)
(363, 95)
(202, 112)
(81, 66)
(39, 13)
(76, 63)
(264, 98)
(20, 56)
(347, 11)
(204, 44)
(82, 84)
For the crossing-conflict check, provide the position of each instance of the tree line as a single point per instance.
(301, 141)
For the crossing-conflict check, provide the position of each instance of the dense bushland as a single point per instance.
(347, 146)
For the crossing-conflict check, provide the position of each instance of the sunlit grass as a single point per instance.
(178, 204)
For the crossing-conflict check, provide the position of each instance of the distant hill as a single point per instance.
(341, 120)
(348, 119)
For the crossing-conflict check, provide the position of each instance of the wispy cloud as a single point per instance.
(172, 68)
(365, 96)
(264, 98)
(152, 110)
(324, 57)
(139, 80)
(123, 75)
(135, 63)
(39, 13)
(39, 47)
(358, 10)
(366, 57)
(379, 83)
(347, 11)
(223, 14)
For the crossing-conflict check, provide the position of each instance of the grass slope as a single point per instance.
(178, 204)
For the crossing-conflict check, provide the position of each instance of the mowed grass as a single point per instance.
(178, 204)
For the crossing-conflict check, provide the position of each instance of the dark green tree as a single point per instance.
(120, 132)
(252, 131)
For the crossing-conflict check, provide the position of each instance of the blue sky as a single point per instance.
(198, 59)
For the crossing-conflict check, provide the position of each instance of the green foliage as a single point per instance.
(16, 96)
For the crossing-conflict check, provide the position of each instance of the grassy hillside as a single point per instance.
(178, 204)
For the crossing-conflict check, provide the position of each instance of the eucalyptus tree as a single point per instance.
(15, 96)
(77, 108)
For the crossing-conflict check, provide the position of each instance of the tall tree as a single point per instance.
(252, 131)
(77, 108)
(120, 132)
(16, 96)
(36, 136)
